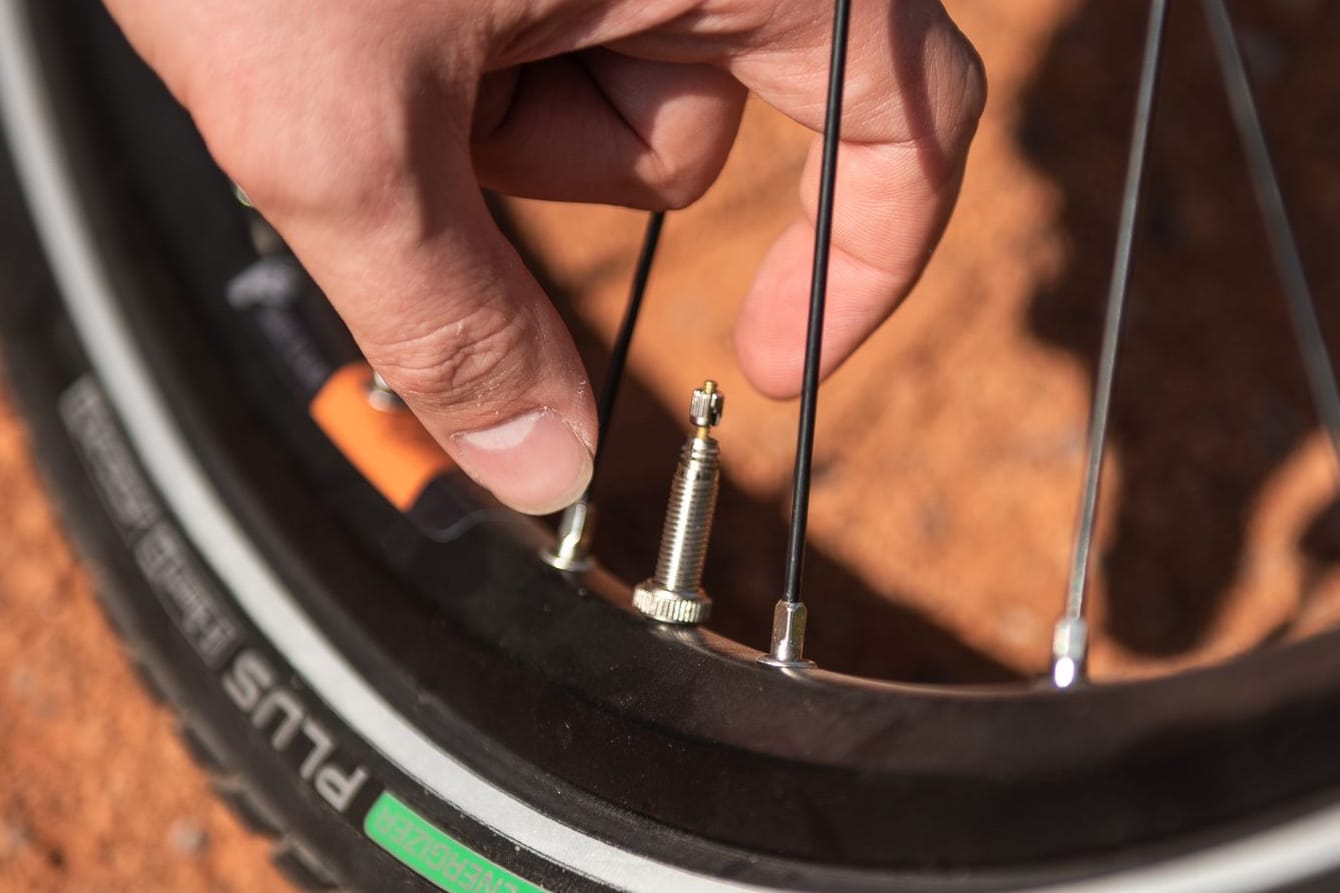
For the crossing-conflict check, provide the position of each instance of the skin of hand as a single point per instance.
(365, 131)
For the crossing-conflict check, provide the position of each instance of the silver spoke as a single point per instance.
(1070, 642)
(1283, 247)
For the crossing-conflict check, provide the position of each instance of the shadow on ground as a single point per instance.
(1210, 395)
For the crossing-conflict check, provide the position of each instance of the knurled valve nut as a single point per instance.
(665, 606)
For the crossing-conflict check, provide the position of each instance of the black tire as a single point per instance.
(528, 718)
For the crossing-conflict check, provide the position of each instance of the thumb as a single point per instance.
(445, 310)
(348, 128)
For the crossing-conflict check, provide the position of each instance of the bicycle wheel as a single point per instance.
(486, 722)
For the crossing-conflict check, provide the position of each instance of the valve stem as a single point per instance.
(674, 594)
(382, 397)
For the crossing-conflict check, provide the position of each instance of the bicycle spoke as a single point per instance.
(609, 395)
(788, 631)
(574, 528)
(1070, 640)
(1279, 234)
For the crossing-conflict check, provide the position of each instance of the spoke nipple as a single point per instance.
(674, 594)
(571, 552)
(1070, 645)
(382, 397)
(788, 637)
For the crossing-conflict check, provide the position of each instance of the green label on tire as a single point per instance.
(405, 834)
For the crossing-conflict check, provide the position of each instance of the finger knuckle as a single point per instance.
(972, 83)
(309, 179)
(297, 148)
(680, 179)
(962, 84)
(479, 355)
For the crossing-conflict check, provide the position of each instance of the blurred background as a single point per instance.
(950, 448)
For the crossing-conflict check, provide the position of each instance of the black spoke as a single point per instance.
(809, 395)
(788, 627)
(574, 528)
(1071, 640)
(1283, 246)
(609, 394)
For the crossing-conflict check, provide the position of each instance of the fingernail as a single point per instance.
(534, 463)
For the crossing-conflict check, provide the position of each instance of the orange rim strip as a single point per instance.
(391, 449)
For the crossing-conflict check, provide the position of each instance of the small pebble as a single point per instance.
(13, 837)
(188, 837)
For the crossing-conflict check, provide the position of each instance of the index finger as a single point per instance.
(915, 90)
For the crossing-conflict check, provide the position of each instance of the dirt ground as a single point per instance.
(949, 452)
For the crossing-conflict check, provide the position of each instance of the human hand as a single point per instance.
(364, 131)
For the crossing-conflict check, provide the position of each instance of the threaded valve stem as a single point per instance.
(674, 594)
